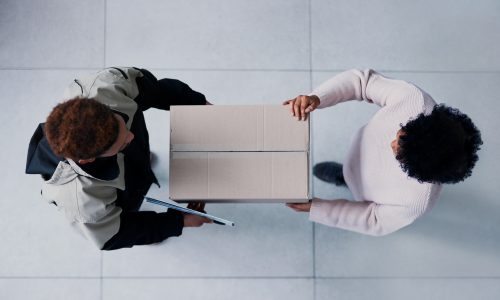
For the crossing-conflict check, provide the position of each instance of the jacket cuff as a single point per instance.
(175, 220)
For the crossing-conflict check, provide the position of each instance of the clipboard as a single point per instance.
(174, 205)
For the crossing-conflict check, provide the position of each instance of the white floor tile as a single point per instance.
(410, 35)
(198, 289)
(51, 34)
(410, 289)
(49, 289)
(36, 238)
(244, 87)
(208, 34)
(268, 240)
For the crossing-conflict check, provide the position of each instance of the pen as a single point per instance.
(215, 220)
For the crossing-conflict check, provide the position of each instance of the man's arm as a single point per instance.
(149, 227)
(164, 93)
(109, 227)
(145, 227)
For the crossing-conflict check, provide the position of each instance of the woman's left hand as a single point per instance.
(300, 207)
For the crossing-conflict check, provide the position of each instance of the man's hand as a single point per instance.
(198, 206)
(195, 221)
(300, 207)
(301, 106)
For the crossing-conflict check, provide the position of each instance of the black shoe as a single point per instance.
(330, 171)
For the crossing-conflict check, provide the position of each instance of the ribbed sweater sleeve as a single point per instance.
(364, 216)
(360, 85)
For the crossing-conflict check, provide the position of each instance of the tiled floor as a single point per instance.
(245, 52)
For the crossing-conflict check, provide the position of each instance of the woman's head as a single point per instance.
(440, 147)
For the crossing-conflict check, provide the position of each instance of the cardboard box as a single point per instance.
(238, 153)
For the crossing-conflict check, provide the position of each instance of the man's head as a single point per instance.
(84, 129)
(438, 148)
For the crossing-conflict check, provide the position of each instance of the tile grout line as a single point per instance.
(310, 40)
(105, 4)
(104, 34)
(101, 280)
(410, 277)
(254, 277)
(258, 70)
(153, 277)
(311, 154)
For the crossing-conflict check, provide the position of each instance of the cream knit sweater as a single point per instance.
(386, 198)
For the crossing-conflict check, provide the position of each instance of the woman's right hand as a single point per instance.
(302, 105)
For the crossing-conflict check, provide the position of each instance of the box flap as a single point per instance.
(237, 128)
(239, 175)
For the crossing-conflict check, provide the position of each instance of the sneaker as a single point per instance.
(330, 171)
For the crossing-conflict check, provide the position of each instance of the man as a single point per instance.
(93, 153)
(397, 162)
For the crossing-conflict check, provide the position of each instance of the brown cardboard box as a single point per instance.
(238, 153)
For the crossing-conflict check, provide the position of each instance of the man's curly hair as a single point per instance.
(440, 147)
(81, 128)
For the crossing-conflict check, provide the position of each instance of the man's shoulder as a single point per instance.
(114, 82)
(81, 195)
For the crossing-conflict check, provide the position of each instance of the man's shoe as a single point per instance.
(330, 171)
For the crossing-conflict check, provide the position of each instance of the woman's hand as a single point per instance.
(301, 106)
(300, 207)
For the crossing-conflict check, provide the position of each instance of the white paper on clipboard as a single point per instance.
(174, 205)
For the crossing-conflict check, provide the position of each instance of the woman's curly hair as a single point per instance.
(440, 147)
(81, 128)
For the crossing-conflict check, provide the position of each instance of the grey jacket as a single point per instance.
(101, 200)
